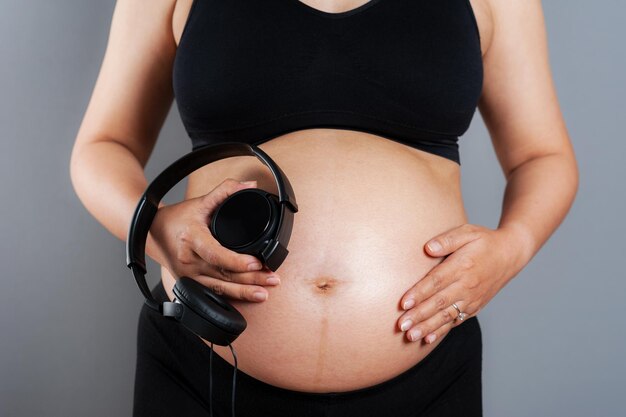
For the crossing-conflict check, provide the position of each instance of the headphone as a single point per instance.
(250, 221)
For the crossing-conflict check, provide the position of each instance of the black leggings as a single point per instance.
(172, 379)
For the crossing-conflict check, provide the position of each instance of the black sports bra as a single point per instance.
(407, 70)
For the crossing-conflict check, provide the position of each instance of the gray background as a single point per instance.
(553, 338)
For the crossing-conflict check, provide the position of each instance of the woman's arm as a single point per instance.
(521, 111)
(520, 108)
(131, 98)
(130, 101)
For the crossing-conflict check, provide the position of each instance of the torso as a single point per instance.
(367, 206)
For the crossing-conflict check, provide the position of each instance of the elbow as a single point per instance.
(569, 173)
(574, 174)
(77, 168)
(74, 168)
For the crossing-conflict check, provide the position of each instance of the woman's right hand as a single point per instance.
(182, 234)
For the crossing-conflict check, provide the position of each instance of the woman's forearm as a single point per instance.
(109, 180)
(538, 195)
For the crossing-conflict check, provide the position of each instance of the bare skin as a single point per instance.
(342, 298)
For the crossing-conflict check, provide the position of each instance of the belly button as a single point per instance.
(324, 284)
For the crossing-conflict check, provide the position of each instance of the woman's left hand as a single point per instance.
(480, 262)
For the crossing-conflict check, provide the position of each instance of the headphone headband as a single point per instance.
(149, 202)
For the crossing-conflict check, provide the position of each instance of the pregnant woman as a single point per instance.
(361, 104)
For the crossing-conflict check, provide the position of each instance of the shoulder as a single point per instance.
(496, 18)
(484, 20)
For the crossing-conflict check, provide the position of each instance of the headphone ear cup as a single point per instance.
(245, 219)
(212, 309)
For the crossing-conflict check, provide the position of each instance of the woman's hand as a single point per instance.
(182, 234)
(480, 262)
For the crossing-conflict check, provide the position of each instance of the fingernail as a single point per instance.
(247, 182)
(254, 266)
(409, 304)
(434, 246)
(273, 280)
(415, 334)
(431, 337)
(406, 325)
(259, 296)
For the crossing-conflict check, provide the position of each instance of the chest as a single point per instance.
(414, 63)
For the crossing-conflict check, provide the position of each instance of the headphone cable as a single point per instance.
(234, 377)
(210, 381)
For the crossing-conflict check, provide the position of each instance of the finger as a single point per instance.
(220, 193)
(432, 336)
(430, 307)
(263, 277)
(232, 290)
(451, 240)
(436, 280)
(435, 325)
(217, 256)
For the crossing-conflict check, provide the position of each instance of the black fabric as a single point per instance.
(407, 70)
(172, 379)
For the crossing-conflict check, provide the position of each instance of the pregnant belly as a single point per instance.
(367, 205)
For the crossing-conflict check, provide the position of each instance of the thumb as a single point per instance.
(215, 197)
(451, 240)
